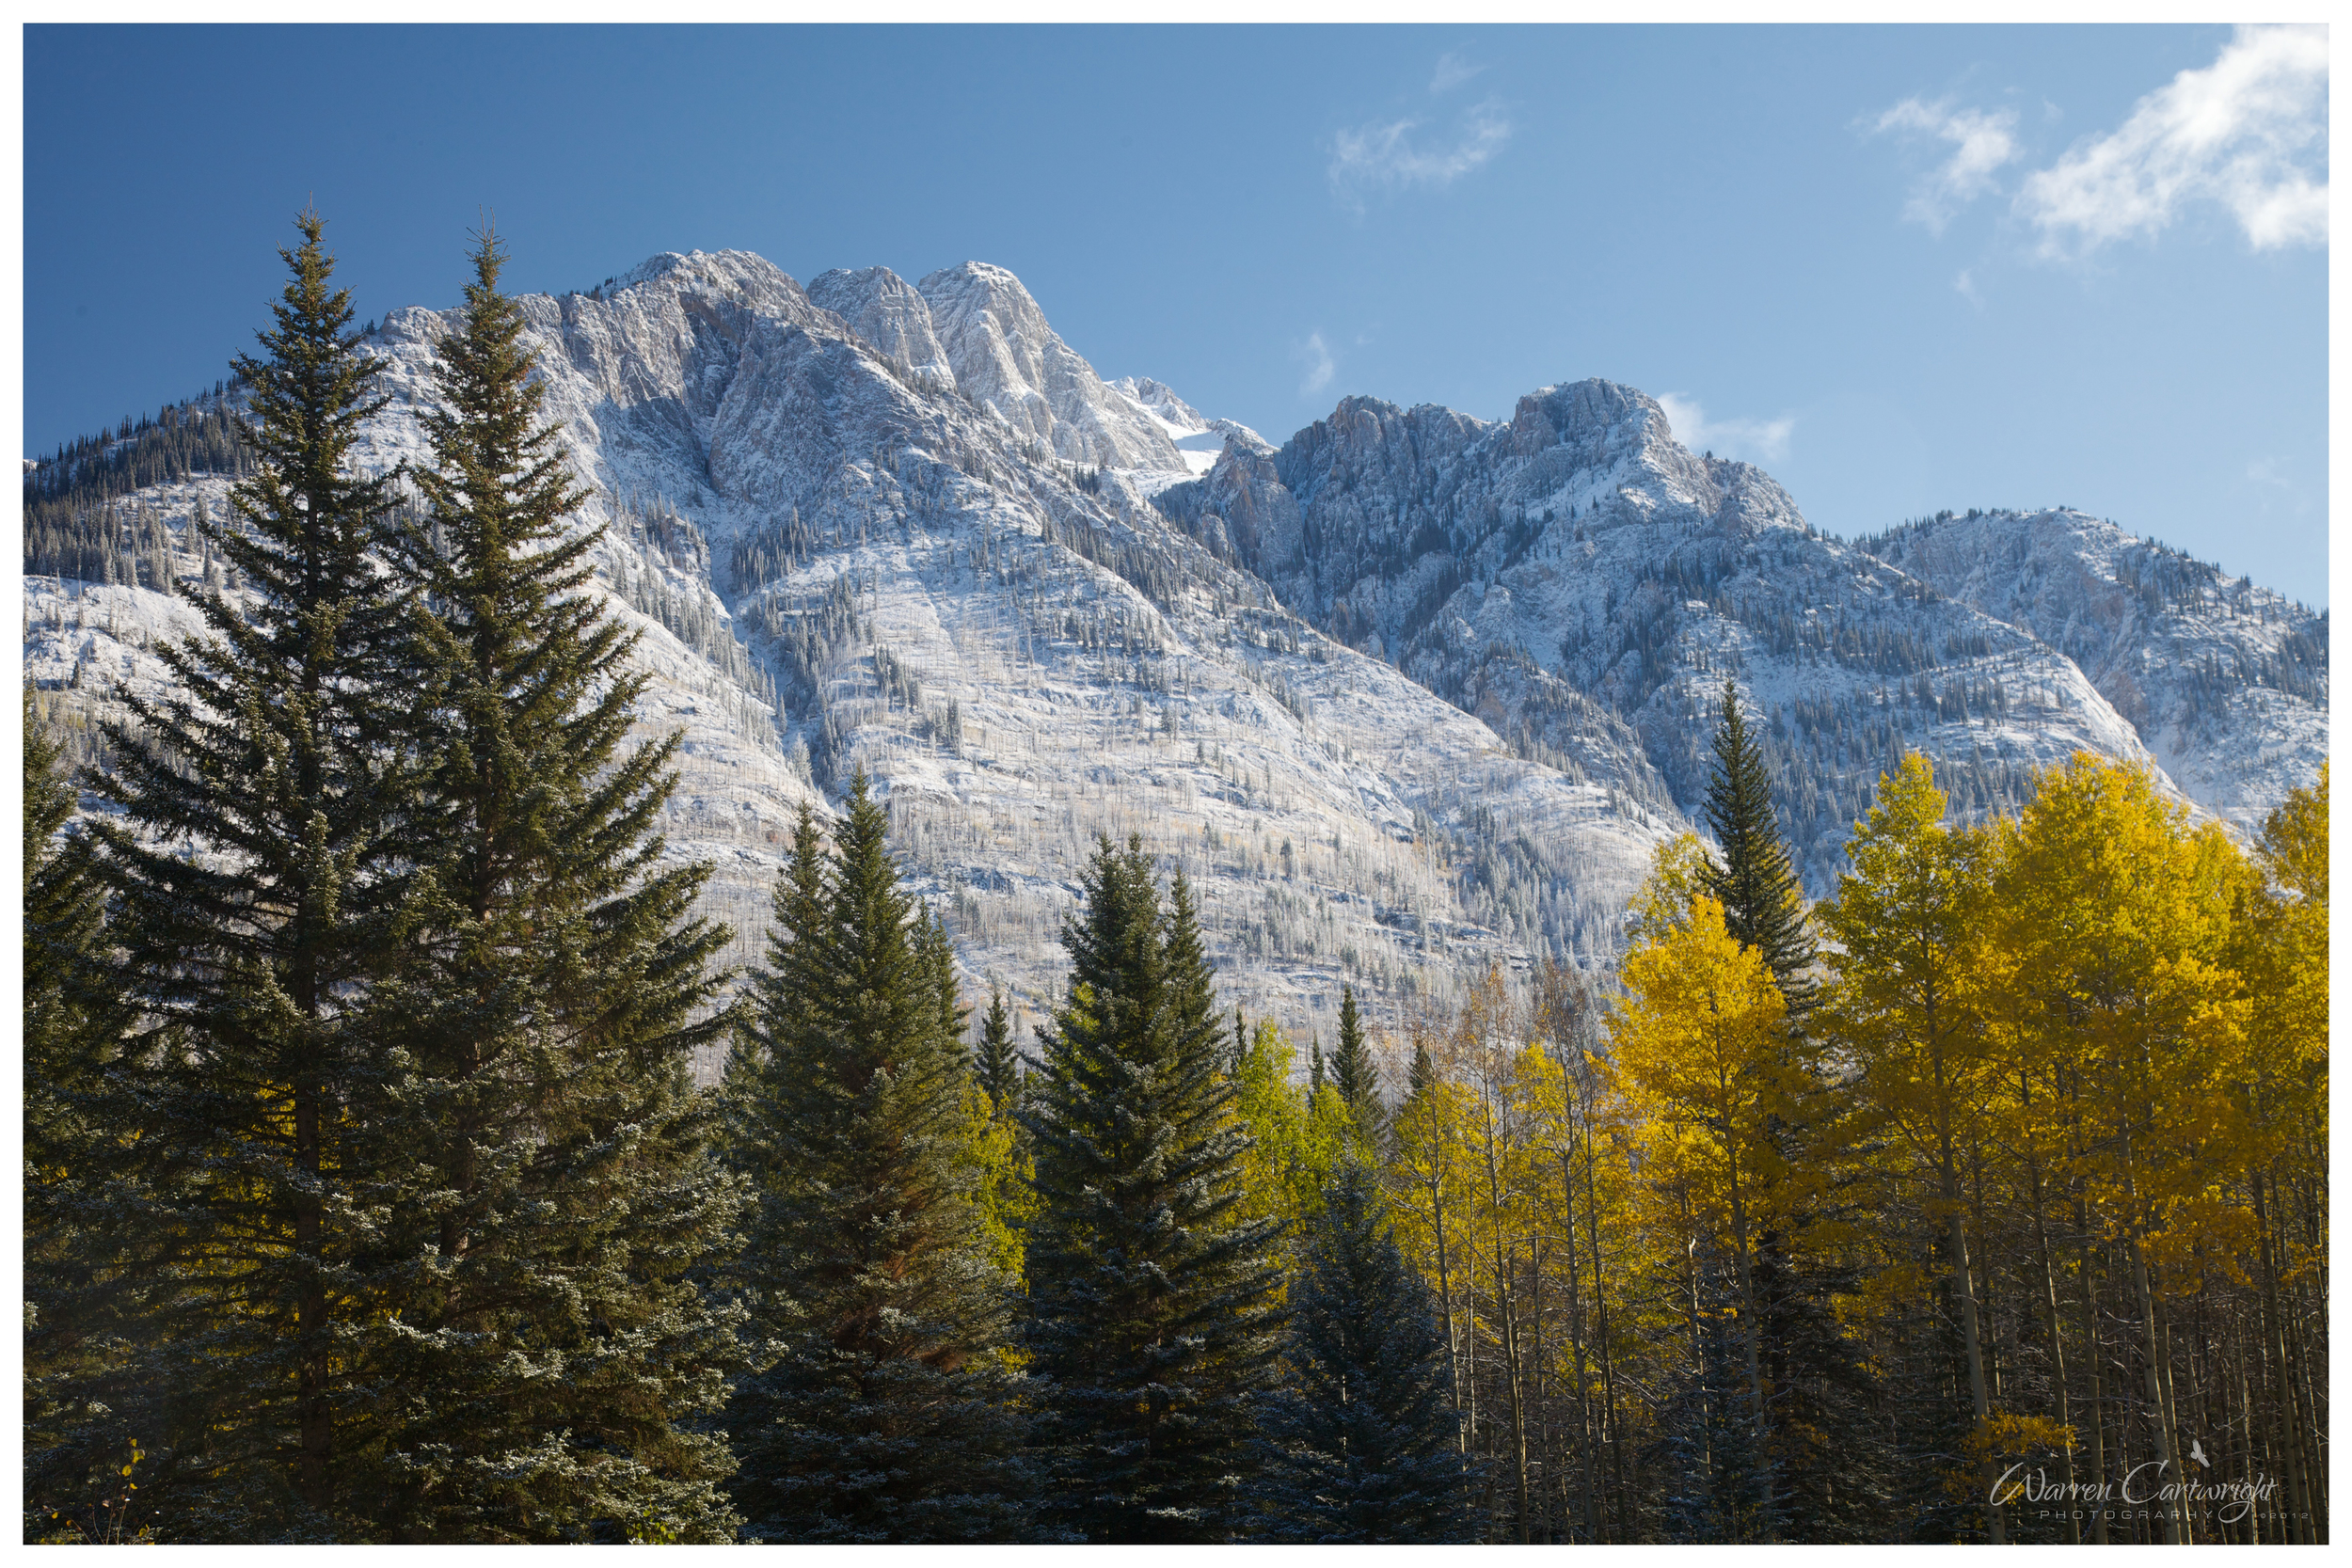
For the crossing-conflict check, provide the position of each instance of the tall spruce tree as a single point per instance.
(886, 1415)
(1716, 1481)
(1153, 1324)
(936, 949)
(550, 1346)
(1822, 1451)
(1755, 880)
(997, 1062)
(1351, 1068)
(254, 853)
(70, 1030)
(1362, 1441)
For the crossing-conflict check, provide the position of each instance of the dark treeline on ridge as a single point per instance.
(370, 1198)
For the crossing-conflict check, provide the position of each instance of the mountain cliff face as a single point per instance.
(2225, 683)
(1411, 693)
(1574, 572)
(844, 555)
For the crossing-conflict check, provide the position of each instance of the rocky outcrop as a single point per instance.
(1575, 560)
(1009, 360)
(890, 313)
(2225, 682)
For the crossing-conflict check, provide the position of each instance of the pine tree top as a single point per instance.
(1755, 879)
(996, 1060)
(1351, 1068)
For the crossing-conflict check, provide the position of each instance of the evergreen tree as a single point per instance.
(1362, 1442)
(1819, 1393)
(1706, 1453)
(999, 1064)
(71, 1028)
(551, 1344)
(937, 952)
(886, 1413)
(1151, 1320)
(1832, 1467)
(1755, 881)
(1351, 1068)
(252, 852)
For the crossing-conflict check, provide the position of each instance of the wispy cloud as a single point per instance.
(2270, 476)
(1981, 142)
(1398, 154)
(1766, 440)
(2248, 132)
(1453, 71)
(1965, 287)
(1319, 366)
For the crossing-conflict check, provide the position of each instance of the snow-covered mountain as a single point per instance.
(2225, 682)
(937, 561)
(1574, 572)
(1411, 693)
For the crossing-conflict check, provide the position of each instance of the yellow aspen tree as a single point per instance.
(1002, 1170)
(2280, 947)
(1486, 1046)
(1554, 1110)
(1662, 903)
(1696, 1051)
(1906, 1001)
(1291, 1153)
(2116, 912)
(2033, 1115)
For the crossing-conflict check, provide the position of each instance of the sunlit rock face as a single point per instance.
(1410, 694)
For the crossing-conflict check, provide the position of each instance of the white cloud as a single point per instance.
(1319, 366)
(2248, 132)
(1966, 287)
(1391, 155)
(1453, 71)
(1762, 439)
(1981, 143)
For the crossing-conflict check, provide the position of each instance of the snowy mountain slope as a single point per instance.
(2226, 682)
(887, 312)
(1412, 692)
(87, 643)
(1200, 438)
(1575, 560)
(1009, 360)
(841, 560)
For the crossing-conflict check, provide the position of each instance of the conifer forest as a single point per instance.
(373, 1193)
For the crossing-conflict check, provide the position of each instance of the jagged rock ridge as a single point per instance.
(1413, 691)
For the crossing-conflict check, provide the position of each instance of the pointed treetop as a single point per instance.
(1351, 1068)
(1755, 881)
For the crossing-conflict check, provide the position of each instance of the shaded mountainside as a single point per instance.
(1411, 691)
(1574, 572)
(2225, 682)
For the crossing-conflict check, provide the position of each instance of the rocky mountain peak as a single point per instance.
(1007, 359)
(1595, 420)
(1414, 691)
(891, 315)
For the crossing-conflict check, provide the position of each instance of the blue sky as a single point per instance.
(1904, 269)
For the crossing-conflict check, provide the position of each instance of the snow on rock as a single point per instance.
(1578, 579)
(887, 312)
(838, 560)
(2225, 683)
(1414, 693)
(1007, 359)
